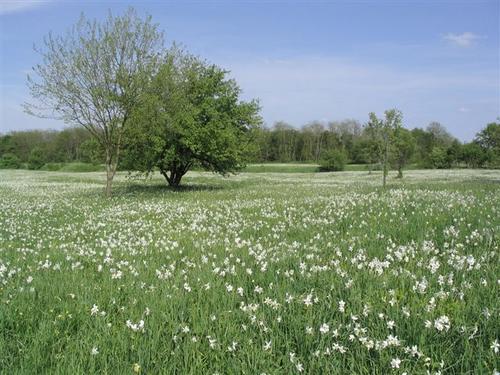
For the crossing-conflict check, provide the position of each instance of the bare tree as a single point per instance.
(93, 77)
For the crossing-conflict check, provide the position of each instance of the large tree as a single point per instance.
(191, 115)
(93, 76)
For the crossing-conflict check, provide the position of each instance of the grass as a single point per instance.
(249, 274)
(281, 168)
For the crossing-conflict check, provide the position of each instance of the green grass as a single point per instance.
(281, 168)
(297, 244)
(81, 167)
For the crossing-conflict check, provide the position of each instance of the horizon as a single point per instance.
(435, 61)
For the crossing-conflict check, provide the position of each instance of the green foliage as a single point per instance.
(383, 133)
(37, 158)
(91, 152)
(281, 168)
(333, 160)
(454, 153)
(191, 115)
(439, 158)
(10, 161)
(403, 147)
(474, 155)
(52, 167)
(489, 140)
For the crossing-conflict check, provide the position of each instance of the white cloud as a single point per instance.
(12, 6)
(463, 109)
(466, 39)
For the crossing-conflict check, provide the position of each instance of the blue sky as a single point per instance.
(435, 60)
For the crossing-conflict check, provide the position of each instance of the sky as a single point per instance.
(435, 60)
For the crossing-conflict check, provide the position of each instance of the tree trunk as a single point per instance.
(175, 174)
(109, 180)
(386, 161)
(110, 171)
(110, 174)
(400, 171)
(112, 155)
(385, 175)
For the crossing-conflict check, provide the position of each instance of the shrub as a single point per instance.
(475, 156)
(333, 160)
(439, 158)
(10, 161)
(52, 166)
(36, 159)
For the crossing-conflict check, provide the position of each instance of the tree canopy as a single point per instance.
(191, 115)
(93, 76)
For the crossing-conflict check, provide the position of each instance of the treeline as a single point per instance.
(432, 147)
(33, 149)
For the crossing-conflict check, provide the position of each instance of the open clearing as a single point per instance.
(256, 273)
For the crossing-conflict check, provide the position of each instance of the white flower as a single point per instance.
(495, 346)
(94, 310)
(135, 327)
(395, 362)
(442, 323)
(212, 342)
(325, 328)
(341, 306)
(94, 351)
(308, 300)
(29, 279)
(267, 345)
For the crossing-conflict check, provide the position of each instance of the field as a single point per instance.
(259, 273)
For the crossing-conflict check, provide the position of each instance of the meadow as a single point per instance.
(258, 273)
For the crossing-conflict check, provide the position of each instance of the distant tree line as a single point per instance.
(33, 149)
(432, 147)
(332, 145)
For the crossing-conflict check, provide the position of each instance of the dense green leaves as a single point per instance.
(334, 160)
(192, 115)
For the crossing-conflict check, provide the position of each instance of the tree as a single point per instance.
(489, 137)
(382, 131)
(454, 153)
(438, 158)
(333, 160)
(36, 159)
(489, 140)
(9, 161)
(94, 75)
(403, 148)
(474, 155)
(192, 115)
